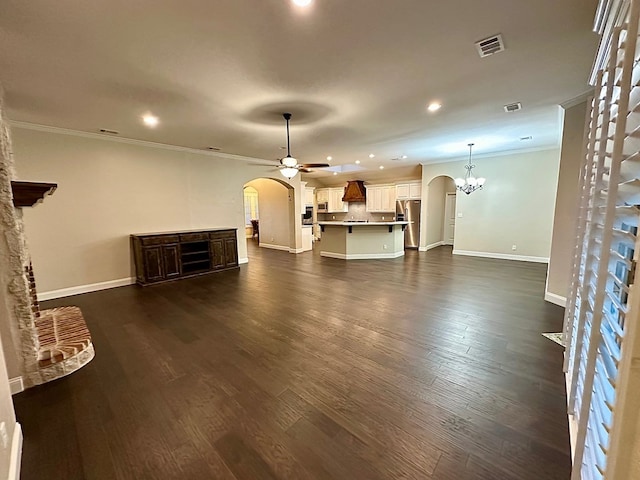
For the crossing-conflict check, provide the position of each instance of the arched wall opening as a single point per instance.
(270, 202)
(439, 223)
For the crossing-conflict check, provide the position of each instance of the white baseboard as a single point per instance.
(361, 256)
(502, 256)
(92, 287)
(555, 299)
(429, 247)
(16, 453)
(16, 385)
(296, 250)
(274, 247)
(243, 260)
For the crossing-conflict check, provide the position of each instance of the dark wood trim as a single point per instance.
(27, 194)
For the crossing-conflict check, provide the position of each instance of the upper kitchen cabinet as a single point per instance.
(409, 191)
(335, 203)
(322, 195)
(308, 195)
(381, 198)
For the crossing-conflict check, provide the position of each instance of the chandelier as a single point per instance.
(469, 183)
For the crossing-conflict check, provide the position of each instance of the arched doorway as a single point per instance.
(441, 212)
(251, 214)
(269, 212)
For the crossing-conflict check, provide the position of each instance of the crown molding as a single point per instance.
(502, 153)
(133, 141)
(583, 97)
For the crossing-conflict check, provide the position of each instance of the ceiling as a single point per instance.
(356, 75)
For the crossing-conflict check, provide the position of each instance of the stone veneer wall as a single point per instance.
(19, 338)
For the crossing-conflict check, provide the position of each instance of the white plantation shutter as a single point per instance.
(601, 316)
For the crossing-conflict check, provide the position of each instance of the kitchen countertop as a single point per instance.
(354, 223)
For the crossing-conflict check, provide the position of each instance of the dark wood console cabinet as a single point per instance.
(160, 257)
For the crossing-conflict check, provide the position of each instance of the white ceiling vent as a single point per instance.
(490, 45)
(513, 107)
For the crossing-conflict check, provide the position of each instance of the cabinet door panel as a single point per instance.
(217, 253)
(171, 254)
(231, 252)
(153, 263)
(322, 195)
(402, 192)
(415, 190)
(308, 196)
(385, 199)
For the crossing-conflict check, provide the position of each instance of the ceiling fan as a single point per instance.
(289, 166)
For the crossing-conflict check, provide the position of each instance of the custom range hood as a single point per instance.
(355, 191)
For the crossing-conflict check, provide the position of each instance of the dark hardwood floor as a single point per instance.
(297, 367)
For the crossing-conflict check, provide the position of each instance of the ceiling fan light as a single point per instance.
(289, 172)
(289, 161)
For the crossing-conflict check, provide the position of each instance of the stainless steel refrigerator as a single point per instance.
(410, 211)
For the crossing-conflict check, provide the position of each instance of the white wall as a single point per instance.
(110, 189)
(566, 208)
(515, 206)
(273, 205)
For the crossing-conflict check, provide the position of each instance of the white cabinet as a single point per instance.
(333, 198)
(308, 195)
(335, 201)
(409, 191)
(381, 198)
(322, 195)
(307, 239)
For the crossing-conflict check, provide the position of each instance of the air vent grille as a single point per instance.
(490, 45)
(110, 132)
(513, 107)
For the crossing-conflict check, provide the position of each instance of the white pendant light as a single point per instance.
(289, 172)
(290, 164)
(289, 161)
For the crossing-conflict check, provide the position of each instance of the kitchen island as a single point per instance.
(362, 240)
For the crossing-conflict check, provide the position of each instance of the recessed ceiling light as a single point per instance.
(381, 167)
(150, 120)
(357, 162)
(434, 107)
(302, 3)
(404, 157)
(329, 158)
(371, 155)
(335, 173)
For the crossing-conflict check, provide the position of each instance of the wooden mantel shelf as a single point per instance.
(27, 194)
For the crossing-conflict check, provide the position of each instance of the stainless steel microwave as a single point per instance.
(323, 207)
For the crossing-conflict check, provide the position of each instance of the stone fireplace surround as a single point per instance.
(39, 345)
